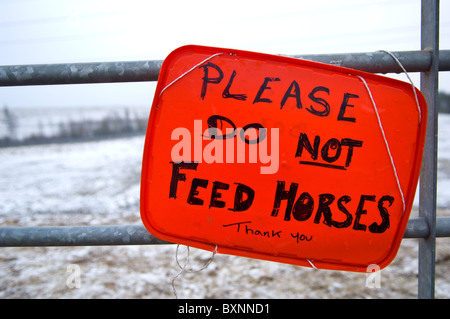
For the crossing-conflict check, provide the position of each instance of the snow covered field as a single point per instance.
(97, 183)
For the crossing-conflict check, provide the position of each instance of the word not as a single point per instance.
(328, 156)
(303, 208)
(321, 106)
(213, 152)
(243, 198)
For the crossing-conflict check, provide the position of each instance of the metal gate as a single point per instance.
(429, 61)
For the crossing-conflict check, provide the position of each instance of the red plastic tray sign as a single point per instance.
(281, 159)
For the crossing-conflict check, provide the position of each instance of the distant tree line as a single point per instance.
(113, 124)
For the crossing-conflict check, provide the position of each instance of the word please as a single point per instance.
(319, 105)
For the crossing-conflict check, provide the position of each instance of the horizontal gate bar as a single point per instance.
(79, 73)
(138, 235)
(76, 236)
(418, 228)
(382, 62)
(141, 71)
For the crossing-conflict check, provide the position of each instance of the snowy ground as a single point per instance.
(97, 183)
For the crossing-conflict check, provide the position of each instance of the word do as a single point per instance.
(252, 136)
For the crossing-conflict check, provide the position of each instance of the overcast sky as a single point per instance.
(58, 31)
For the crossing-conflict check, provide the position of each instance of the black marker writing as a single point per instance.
(284, 92)
(253, 231)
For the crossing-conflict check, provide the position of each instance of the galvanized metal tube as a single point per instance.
(416, 228)
(376, 62)
(77, 236)
(79, 73)
(442, 227)
(110, 72)
(138, 235)
(381, 62)
(428, 177)
(444, 60)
